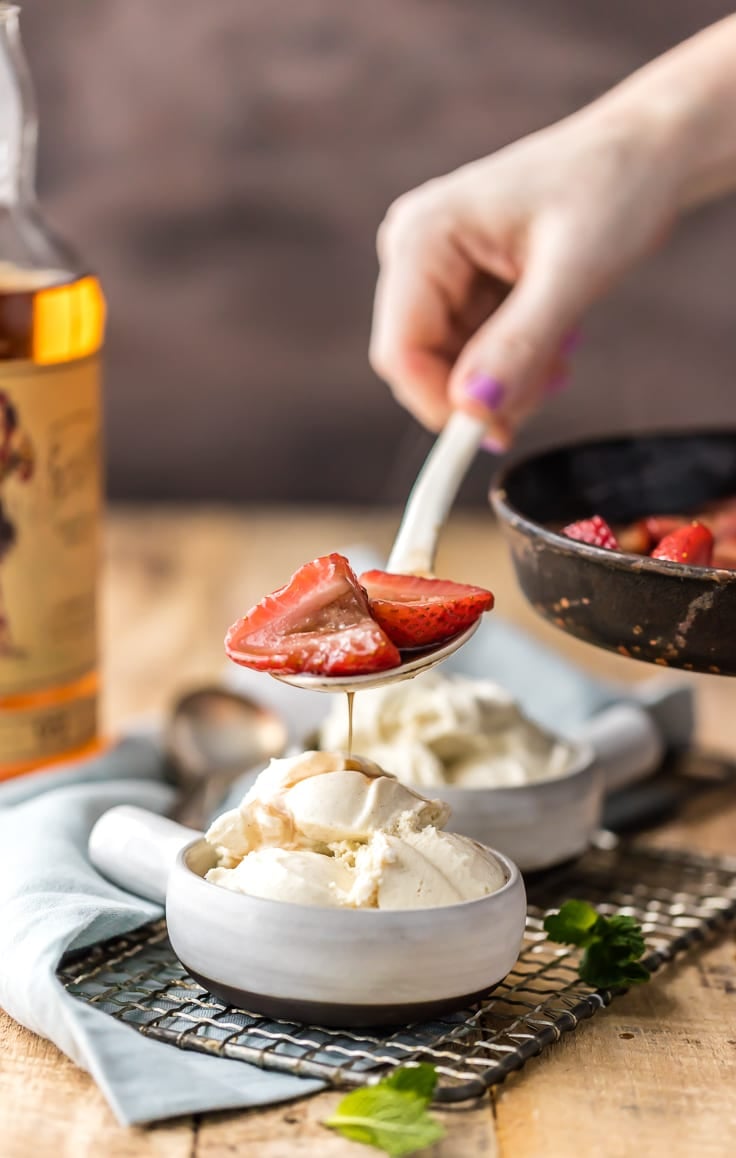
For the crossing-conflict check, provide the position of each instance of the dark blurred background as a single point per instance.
(225, 166)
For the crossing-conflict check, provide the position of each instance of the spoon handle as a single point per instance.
(136, 849)
(434, 493)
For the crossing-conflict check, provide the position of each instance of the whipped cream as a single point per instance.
(322, 828)
(438, 730)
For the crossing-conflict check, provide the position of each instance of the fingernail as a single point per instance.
(556, 384)
(488, 391)
(570, 342)
(493, 446)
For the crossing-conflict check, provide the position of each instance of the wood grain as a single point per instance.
(652, 1075)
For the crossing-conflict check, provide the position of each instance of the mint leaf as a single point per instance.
(573, 925)
(419, 1080)
(613, 945)
(624, 937)
(602, 970)
(391, 1116)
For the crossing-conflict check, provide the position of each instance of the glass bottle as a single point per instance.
(52, 316)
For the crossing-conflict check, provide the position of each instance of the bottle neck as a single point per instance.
(18, 121)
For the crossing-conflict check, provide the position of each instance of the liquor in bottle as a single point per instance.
(51, 329)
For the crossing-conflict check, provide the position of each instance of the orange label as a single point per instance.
(30, 737)
(50, 506)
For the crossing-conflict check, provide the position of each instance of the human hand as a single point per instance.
(486, 272)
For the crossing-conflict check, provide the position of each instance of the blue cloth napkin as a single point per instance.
(52, 900)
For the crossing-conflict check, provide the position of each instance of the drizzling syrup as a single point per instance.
(350, 696)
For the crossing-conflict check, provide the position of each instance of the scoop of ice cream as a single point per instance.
(431, 708)
(473, 770)
(426, 868)
(409, 760)
(296, 875)
(525, 756)
(318, 798)
(324, 829)
(436, 730)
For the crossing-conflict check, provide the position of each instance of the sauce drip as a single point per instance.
(350, 696)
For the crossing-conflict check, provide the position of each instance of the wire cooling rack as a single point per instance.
(678, 898)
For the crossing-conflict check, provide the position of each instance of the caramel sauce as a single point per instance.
(351, 697)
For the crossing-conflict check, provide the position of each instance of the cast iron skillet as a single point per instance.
(665, 613)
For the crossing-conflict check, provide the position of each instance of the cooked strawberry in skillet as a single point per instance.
(417, 612)
(724, 554)
(319, 622)
(692, 544)
(635, 539)
(594, 531)
(704, 542)
(641, 537)
(659, 526)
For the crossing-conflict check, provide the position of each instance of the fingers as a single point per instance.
(408, 315)
(519, 354)
(447, 333)
(423, 284)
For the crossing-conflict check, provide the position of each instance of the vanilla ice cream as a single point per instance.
(439, 730)
(326, 829)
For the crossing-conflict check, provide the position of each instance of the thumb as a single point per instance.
(500, 373)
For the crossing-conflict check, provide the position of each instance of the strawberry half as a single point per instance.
(660, 526)
(594, 531)
(319, 622)
(635, 538)
(417, 612)
(724, 554)
(692, 544)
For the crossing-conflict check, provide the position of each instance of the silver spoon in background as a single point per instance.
(414, 550)
(212, 737)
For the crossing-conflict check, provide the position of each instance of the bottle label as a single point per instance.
(50, 506)
(31, 736)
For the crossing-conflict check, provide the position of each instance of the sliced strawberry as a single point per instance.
(640, 537)
(724, 554)
(720, 518)
(659, 526)
(634, 538)
(594, 531)
(319, 622)
(692, 544)
(418, 612)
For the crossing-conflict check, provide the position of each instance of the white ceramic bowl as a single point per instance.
(318, 965)
(538, 825)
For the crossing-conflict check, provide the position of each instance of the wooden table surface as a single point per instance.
(652, 1076)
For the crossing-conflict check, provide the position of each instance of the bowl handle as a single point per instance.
(627, 743)
(136, 849)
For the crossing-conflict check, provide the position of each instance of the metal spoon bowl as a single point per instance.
(213, 736)
(414, 664)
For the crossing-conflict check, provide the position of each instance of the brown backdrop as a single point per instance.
(225, 166)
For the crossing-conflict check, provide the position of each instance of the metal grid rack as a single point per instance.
(678, 898)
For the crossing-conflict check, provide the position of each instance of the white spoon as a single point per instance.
(414, 550)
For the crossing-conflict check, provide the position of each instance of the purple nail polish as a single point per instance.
(492, 446)
(488, 391)
(570, 342)
(556, 384)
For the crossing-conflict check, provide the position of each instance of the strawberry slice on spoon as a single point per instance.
(419, 612)
(319, 623)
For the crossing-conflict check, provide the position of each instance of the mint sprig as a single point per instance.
(392, 1115)
(613, 945)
